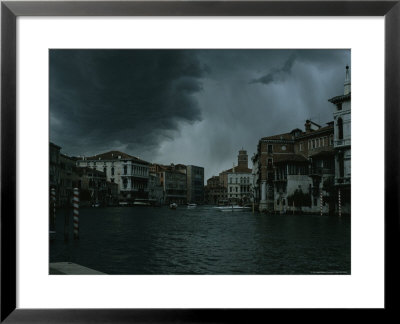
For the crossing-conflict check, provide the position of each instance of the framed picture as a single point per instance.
(199, 153)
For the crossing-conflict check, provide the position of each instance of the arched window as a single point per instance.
(340, 128)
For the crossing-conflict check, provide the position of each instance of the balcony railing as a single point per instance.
(342, 181)
(321, 171)
(342, 142)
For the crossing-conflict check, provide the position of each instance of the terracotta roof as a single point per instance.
(238, 169)
(114, 155)
(285, 136)
(290, 136)
(283, 158)
(317, 131)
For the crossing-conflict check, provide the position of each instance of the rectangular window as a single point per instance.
(301, 147)
(269, 148)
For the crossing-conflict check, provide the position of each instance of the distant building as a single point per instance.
(174, 185)
(215, 193)
(342, 143)
(156, 190)
(234, 185)
(129, 172)
(195, 184)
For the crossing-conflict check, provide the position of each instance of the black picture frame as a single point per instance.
(10, 10)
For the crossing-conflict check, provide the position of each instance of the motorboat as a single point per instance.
(191, 205)
(141, 203)
(233, 208)
(173, 206)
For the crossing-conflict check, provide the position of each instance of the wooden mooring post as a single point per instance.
(76, 213)
(321, 201)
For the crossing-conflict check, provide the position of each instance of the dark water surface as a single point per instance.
(151, 240)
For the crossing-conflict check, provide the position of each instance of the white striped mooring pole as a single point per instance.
(53, 207)
(339, 204)
(321, 201)
(76, 213)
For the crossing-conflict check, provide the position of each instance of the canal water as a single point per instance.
(203, 240)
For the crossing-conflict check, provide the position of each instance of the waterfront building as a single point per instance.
(92, 185)
(215, 193)
(171, 177)
(195, 184)
(292, 170)
(112, 193)
(69, 179)
(54, 168)
(174, 185)
(238, 181)
(342, 143)
(156, 190)
(129, 172)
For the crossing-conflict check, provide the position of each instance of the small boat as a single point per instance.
(96, 205)
(123, 203)
(141, 203)
(173, 206)
(191, 205)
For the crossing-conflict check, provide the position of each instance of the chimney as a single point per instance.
(308, 126)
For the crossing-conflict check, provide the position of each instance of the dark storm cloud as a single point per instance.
(191, 106)
(277, 74)
(107, 99)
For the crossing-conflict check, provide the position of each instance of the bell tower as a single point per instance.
(243, 159)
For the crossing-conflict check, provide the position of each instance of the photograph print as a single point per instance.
(200, 161)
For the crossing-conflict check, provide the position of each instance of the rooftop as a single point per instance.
(114, 155)
(238, 169)
(340, 98)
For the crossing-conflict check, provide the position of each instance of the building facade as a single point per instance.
(215, 193)
(195, 184)
(292, 170)
(174, 186)
(233, 186)
(69, 179)
(156, 190)
(130, 173)
(342, 144)
(54, 169)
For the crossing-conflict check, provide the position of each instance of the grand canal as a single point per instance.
(158, 240)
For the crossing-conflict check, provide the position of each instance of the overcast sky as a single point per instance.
(187, 106)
